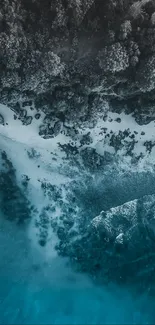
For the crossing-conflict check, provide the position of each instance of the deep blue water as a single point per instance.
(71, 306)
(38, 291)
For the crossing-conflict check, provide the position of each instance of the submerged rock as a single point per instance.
(13, 201)
(117, 245)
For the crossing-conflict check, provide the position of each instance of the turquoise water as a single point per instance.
(71, 306)
(38, 291)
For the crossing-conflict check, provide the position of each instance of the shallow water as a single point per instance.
(39, 290)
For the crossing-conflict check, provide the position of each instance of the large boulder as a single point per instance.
(117, 245)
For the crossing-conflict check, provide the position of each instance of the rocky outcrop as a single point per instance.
(61, 53)
(117, 245)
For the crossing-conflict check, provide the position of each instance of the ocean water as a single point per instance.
(37, 290)
(37, 287)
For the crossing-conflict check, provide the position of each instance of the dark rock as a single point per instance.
(149, 145)
(57, 128)
(42, 242)
(116, 140)
(42, 130)
(28, 120)
(1, 119)
(25, 180)
(132, 136)
(37, 116)
(71, 66)
(118, 244)
(86, 139)
(70, 150)
(23, 114)
(27, 103)
(118, 120)
(32, 153)
(92, 160)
